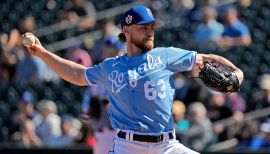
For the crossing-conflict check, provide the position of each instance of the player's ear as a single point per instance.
(125, 30)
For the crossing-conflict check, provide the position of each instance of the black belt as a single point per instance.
(145, 138)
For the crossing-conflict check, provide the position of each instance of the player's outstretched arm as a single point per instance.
(68, 70)
(201, 58)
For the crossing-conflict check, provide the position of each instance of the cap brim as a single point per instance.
(158, 23)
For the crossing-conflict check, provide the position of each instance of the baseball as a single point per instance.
(28, 40)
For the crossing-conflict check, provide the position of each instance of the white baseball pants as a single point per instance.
(167, 146)
(104, 141)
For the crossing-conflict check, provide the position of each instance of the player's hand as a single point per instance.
(35, 48)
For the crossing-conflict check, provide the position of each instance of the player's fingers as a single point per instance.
(35, 46)
(37, 41)
(32, 48)
(35, 49)
(27, 33)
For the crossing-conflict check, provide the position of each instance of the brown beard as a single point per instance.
(145, 45)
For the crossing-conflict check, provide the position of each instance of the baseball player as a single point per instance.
(139, 84)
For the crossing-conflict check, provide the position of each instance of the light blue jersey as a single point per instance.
(141, 87)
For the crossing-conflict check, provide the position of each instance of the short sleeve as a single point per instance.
(179, 60)
(236, 30)
(244, 30)
(95, 74)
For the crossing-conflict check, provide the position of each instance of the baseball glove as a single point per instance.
(217, 78)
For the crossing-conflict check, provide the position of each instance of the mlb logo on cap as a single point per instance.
(128, 19)
(137, 15)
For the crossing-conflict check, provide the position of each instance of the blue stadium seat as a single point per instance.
(264, 68)
(49, 93)
(259, 36)
(12, 96)
(76, 109)
(67, 96)
(61, 107)
(4, 110)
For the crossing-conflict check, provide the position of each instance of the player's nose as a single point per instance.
(150, 33)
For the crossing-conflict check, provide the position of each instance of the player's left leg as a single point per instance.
(171, 147)
(104, 141)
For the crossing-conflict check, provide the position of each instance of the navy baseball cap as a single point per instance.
(27, 97)
(139, 14)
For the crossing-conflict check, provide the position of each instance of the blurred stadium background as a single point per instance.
(63, 28)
